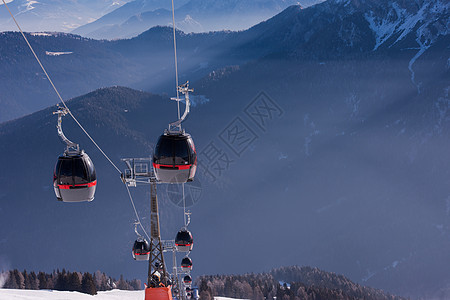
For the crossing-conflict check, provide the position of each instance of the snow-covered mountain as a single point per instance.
(54, 15)
(106, 25)
(193, 16)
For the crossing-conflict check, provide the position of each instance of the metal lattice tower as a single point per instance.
(156, 261)
(139, 171)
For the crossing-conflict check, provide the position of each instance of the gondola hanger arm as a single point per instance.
(185, 90)
(61, 112)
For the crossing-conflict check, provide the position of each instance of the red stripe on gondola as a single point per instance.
(71, 186)
(142, 253)
(176, 167)
(184, 167)
(183, 244)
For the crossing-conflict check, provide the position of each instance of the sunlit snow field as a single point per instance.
(6, 294)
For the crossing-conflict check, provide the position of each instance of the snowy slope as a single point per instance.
(6, 294)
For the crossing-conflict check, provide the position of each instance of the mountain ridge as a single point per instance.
(287, 282)
(54, 15)
(192, 16)
(328, 30)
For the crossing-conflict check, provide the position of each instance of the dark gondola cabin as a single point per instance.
(141, 249)
(184, 241)
(189, 293)
(186, 264)
(187, 280)
(74, 178)
(175, 158)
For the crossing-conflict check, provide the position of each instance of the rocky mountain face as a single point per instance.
(321, 136)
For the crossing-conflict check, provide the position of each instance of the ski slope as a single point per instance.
(6, 294)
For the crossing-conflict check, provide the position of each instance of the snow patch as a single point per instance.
(395, 264)
(383, 29)
(399, 22)
(49, 53)
(198, 100)
(40, 34)
(190, 25)
(282, 283)
(29, 5)
(369, 275)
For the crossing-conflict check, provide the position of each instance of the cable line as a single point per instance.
(136, 213)
(176, 59)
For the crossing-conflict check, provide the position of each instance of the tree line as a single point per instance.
(288, 283)
(67, 281)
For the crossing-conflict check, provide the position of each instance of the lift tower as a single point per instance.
(156, 267)
(139, 171)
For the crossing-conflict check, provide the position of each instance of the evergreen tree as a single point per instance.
(27, 280)
(205, 295)
(88, 284)
(73, 282)
(136, 284)
(20, 280)
(61, 281)
(11, 282)
(228, 287)
(43, 284)
(34, 281)
(122, 284)
(257, 294)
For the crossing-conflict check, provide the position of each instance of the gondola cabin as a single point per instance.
(175, 158)
(141, 249)
(186, 264)
(188, 293)
(187, 280)
(184, 241)
(74, 178)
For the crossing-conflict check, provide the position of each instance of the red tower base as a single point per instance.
(161, 293)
